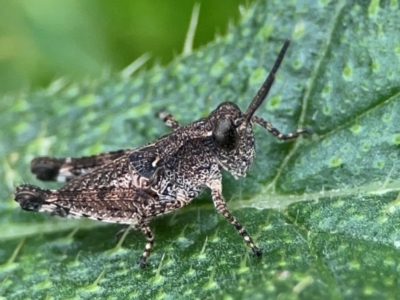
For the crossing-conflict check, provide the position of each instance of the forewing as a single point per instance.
(146, 161)
(116, 173)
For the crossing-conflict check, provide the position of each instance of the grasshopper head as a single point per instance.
(233, 139)
(232, 131)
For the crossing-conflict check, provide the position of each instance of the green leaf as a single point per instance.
(324, 209)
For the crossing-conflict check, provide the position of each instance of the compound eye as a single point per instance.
(224, 135)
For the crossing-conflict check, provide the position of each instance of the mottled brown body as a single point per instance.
(135, 185)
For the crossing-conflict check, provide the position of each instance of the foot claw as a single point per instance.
(257, 251)
(142, 262)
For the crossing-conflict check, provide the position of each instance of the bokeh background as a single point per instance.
(42, 40)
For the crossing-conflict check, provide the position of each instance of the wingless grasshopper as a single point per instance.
(135, 185)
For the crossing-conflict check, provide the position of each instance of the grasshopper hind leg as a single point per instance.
(64, 169)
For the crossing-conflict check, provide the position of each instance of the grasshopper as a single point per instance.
(133, 186)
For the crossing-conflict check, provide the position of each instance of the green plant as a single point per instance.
(325, 210)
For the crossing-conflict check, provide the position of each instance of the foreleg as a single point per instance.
(276, 132)
(220, 205)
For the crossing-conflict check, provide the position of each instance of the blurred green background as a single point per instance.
(42, 40)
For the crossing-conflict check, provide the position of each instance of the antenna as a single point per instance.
(263, 91)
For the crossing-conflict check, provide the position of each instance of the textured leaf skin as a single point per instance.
(325, 210)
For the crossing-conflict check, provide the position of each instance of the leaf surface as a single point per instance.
(325, 209)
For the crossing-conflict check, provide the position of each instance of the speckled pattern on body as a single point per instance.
(134, 186)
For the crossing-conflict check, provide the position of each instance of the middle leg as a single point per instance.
(169, 120)
(149, 243)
